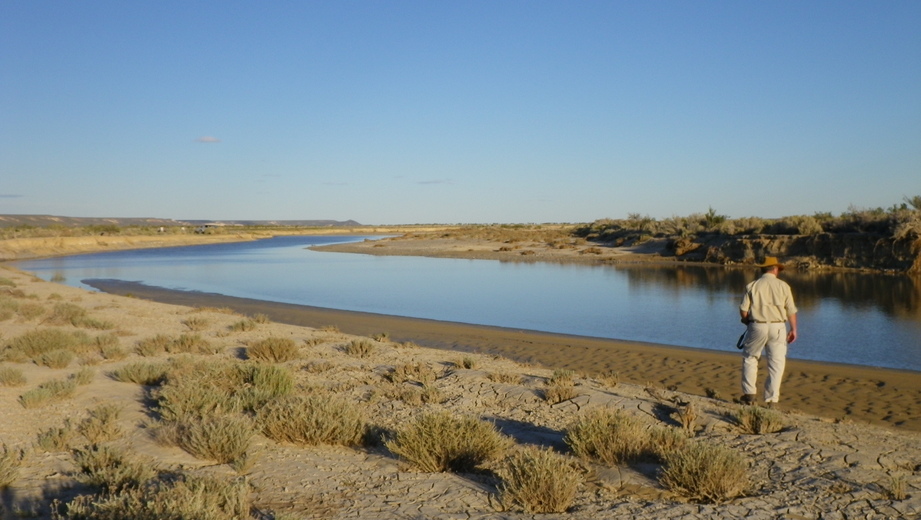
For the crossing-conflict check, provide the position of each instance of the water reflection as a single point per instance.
(844, 317)
(896, 295)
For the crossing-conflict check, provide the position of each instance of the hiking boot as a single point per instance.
(748, 399)
(772, 406)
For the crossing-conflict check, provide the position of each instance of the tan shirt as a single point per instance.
(768, 299)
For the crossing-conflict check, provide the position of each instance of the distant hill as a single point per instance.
(42, 221)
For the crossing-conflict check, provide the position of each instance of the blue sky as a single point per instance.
(400, 112)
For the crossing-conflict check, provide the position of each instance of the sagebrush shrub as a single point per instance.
(11, 376)
(274, 350)
(142, 372)
(102, 424)
(439, 442)
(31, 345)
(758, 420)
(538, 480)
(59, 358)
(705, 472)
(313, 419)
(185, 497)
(225, 439)
(49, 391)
(608, 435)
(56, 438)
(10, 461)
(360, 348)
(111, 469)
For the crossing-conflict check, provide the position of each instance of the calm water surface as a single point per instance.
(862, 319)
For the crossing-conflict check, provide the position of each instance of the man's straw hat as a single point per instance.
(770, 261)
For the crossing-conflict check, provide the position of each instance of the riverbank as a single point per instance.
(833, 391)
(814, 466)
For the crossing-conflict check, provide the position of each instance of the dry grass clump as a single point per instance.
(10, 461)
(56, 439)
(705, 472)
(142, 372)
(665, 440)
(47, 392)
(415, 395)
(538, 481)
(313, 419)
(273, 350)
(560, 387)
(184, 497)
(758, 420)
(197, 389)
(73, 314)
(32, 345)
(609, 436)
(438, 442)
(55, 358)
(509, 378)
(184, 344)
(11, 376)
(224, 439)
(244, 325)
(111, 469)
(195, 323)
(420, 373)
(361, 348)
(30, 311)
(102, 424)
(84, 376)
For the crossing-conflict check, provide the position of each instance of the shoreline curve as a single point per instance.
(833, 391)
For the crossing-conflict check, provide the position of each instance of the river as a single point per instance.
(855, 318)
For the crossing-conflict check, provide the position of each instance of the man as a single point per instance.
(766, 308)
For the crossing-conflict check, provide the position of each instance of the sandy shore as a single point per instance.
(816, 467)
(834, 391)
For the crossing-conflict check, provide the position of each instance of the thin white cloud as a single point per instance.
(207, 139)
(336, 183)
(10, 196)
(437, 181)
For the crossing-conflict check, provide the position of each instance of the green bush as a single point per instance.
(609, 436)
(438, 442)
(313, 419)
(705, 472)
(538, 481)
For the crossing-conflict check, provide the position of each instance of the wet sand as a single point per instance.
(833, 391)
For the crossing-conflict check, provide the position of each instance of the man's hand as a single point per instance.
(791, 336)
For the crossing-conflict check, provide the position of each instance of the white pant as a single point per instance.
(761, 336)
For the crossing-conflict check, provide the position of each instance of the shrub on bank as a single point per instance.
(312, 419)
(438, 442)
(705, 472)
(609, 436)
(538, 480)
